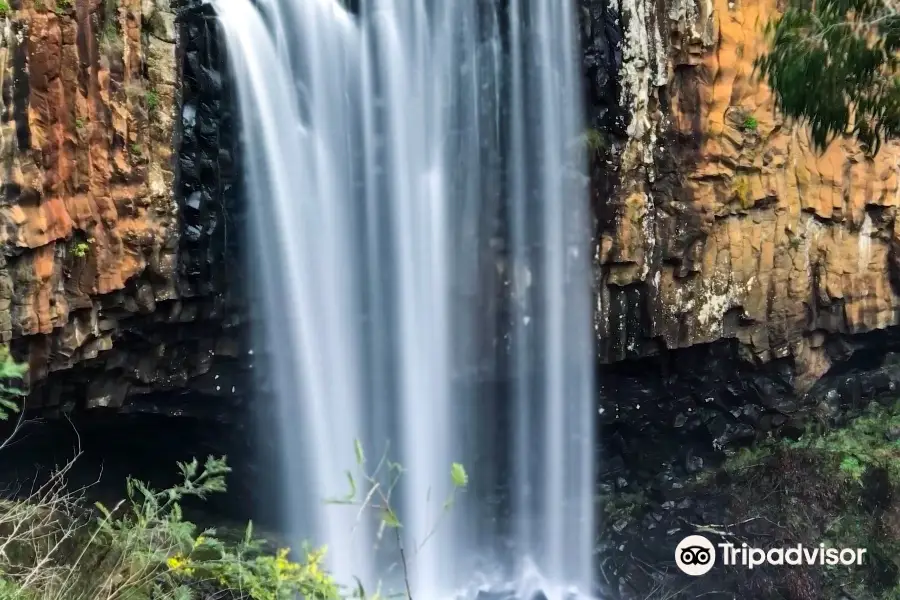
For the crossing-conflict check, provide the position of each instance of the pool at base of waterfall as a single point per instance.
(524, 589)
(528, 584)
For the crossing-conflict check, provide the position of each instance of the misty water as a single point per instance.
(417, 190)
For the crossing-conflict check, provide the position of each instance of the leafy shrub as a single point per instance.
(247, 567)
(10, 393)
(51, 548)
(866, 442)
(4, 8)
(81, 249)
(54, 547)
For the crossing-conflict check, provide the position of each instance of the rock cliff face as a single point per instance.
(88, 181)
(715, 220)
(112, 204)
(746, 289)
(725, 223)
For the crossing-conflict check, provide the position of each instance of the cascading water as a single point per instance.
(420, 239)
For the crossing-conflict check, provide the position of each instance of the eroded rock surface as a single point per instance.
(726, 223)
(96, 269)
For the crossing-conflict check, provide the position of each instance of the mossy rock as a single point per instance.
(741, 192)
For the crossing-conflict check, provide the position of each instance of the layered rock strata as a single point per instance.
(113, 205)
(725, 222)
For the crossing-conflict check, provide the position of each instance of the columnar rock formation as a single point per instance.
(726, 222)
(93, 262)
(714, 217)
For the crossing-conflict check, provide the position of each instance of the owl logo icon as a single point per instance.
(695, 555)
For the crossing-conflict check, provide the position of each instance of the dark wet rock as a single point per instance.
(602, 52)
(663, 417)
(734, 433)
(502, 594)
(693, 464)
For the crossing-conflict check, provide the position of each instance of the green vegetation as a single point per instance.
(152, 98)
(62, 6)
(869, 441)
(741, 192)
(80, 248)
(836, 486)
(111, 43)
(10, 371)
(141, 548)
(750, 123)
(373, 490)
(4, 8)
(136, 149)
(79, 124)
(53, 546)
(595, 141)
(834, 65)
(623, 505)
(110, 40)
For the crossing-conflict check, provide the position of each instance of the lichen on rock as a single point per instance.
(737, 227)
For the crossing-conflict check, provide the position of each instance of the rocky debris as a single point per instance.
(775, 496)
(663, 419)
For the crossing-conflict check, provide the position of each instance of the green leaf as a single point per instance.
(352, 494)
(833, 66)
(9, 404)
(360, 457)
(458, 475)
(102, 508)
(389, 518)
(360, 590)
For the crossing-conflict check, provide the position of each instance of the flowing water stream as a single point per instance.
(415, 176)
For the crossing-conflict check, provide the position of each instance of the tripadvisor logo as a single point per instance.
(696, 555)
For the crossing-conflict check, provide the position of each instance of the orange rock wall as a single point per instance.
(727, 221)
(87, 209)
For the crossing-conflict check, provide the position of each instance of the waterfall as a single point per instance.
(420, 239)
